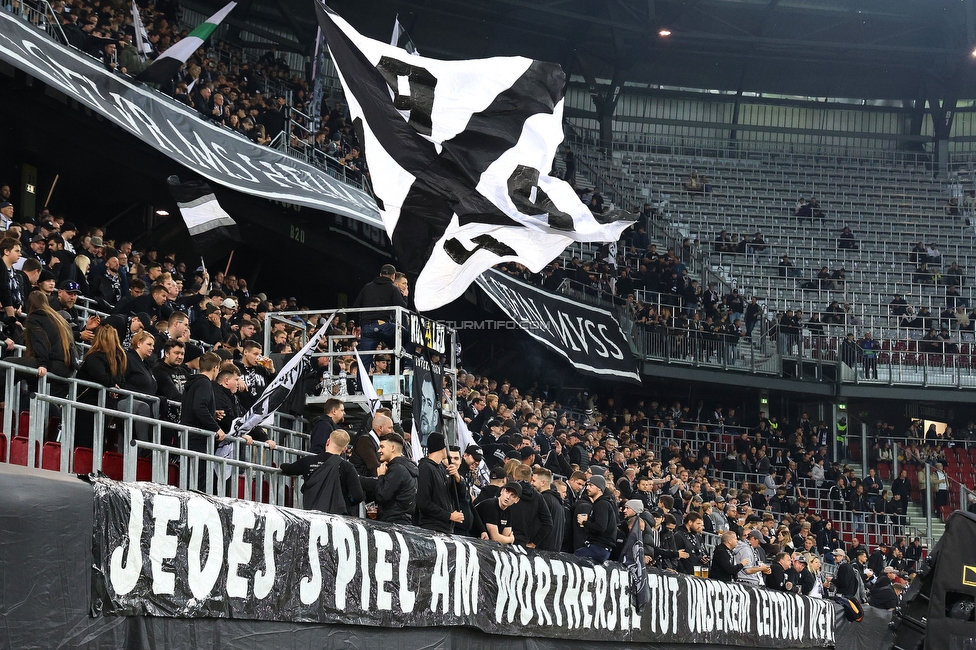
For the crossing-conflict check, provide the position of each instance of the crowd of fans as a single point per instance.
(255, 98)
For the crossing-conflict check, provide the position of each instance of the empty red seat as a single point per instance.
(143, 469)
(51, 456)
(3, 448)
(83, 460)
(112, 465)
(173, 475)
(24, 423)
(18, 451)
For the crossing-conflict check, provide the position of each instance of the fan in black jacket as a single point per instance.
(600, 525)
(438, 501)
(199, 406)
(49, 342)
(395, 487)
(331, 483)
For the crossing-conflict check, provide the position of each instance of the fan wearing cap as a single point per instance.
(496, 513)
(6, 214)
(749, 553)
(849, 582)
(600, 524)
(438, 488)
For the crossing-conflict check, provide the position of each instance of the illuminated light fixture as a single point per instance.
(162, 213)
(667, 32)
(974, 52)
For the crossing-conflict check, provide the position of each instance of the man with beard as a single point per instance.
(171, 377)
(600, 524)
(394, 489)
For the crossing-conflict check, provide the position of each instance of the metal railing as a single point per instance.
(40, 14)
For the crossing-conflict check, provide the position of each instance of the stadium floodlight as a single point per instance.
(667, 32)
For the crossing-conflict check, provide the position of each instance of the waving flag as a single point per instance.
(165, 67)
(212, 230)
(277, 391)
(371, 395)
(458, 155)
(401, 38)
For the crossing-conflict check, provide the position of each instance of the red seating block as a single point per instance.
(51, 456)
(83, 460)
(3, 448)
(24, 423)
(173, 476)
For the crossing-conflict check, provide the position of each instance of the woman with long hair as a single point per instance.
(814, 565)
(105, 363)
(48, 339)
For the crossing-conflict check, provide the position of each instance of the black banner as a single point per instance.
(161, 551)
(590, 338)
(176, 130)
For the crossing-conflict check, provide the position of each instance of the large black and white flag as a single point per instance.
(280, 388)
(212, 230)
(458, 155)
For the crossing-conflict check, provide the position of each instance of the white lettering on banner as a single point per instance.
(407, 597)
(310, 588)
(125, 574)
(163, 545)
(383, 570)
(576, 336)
(149, 116)
(204, 523)
(355, 567)
(239, 552)
(274, 529)
(467, 574)
(440, 581)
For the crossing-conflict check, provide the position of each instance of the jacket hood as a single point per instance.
(409, 464)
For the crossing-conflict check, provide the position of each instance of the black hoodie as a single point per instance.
(198, 409)
(531, 520)
(395, 492)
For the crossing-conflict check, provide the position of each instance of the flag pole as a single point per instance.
(229, 260)
(53, 185)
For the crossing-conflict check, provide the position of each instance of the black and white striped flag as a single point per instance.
(401, 38)
(458, 155)
(213, 231)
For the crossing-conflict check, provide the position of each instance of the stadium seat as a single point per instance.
(24, 423)
(173, 475)
(83, 461)
(143, 469)
(112, 465)
(51, 456)
(3, 448)
(18, 451)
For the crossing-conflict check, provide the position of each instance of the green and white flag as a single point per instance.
(169, 62)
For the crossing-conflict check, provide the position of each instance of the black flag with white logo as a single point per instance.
(458, 154)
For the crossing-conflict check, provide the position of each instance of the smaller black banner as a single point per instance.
(590, 338)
